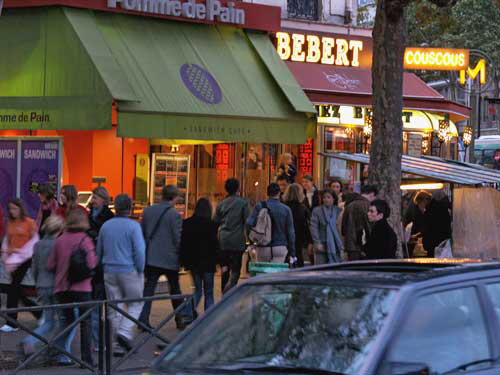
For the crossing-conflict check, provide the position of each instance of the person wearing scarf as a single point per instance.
(326, 238)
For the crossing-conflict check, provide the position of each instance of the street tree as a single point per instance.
(389, 36)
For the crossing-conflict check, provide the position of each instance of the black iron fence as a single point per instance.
(105, 363)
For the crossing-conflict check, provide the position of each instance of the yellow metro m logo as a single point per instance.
(473, 73)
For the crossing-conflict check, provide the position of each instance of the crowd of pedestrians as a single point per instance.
(80, 254)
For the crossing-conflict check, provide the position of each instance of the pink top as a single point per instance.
(59, 261)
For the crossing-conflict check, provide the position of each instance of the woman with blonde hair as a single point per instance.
(294, 198)
(286, 167)
(17, 250)
(44, 281)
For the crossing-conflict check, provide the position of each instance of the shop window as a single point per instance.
(306, 153)
(303, 9)
(341, 140)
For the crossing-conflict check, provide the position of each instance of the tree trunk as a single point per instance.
(387, 132)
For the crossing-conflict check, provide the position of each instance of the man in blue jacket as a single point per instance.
(283, 233)
(121, 248)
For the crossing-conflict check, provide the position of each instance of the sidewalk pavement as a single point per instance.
(143, 358)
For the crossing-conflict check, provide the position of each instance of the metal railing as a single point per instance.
(105, 363)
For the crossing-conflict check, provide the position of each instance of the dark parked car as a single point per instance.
(405, 317)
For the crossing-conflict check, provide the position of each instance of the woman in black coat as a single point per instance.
(311, 201)
(294, 198)
(199, 247)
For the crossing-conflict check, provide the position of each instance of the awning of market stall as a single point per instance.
(353, 86)
(435, 168)
(169, 79)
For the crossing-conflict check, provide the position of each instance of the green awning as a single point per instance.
(47, 80)
(170, 79)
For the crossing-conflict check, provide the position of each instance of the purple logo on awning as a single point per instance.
(201, 83)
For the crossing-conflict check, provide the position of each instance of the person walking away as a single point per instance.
(327, 241)
(66, 289)
(99, 213)
(437, 222)
(312, 200)
(48, 206)
(199, 247)
(123, 252)
(161, 227)
(230, 217)
(355, 225)
(382, 242)
(282, 233)
(44, 282)
(17, 250)
(68, 198)
(294, 198)
(415, 215)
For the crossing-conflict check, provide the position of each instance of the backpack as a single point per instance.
(79, 269)
(261, 232)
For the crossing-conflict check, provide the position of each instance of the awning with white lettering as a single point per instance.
(169, 79)
(327, 84)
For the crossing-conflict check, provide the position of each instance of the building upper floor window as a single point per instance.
(303, 9)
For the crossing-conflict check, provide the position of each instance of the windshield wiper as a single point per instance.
(465, 366)
(277, 368)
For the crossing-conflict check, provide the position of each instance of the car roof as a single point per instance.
(395, 273)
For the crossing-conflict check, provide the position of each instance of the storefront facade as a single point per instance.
(335, 72)
(122, 84)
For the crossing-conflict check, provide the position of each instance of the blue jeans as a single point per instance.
(50, 319)
(203, 283)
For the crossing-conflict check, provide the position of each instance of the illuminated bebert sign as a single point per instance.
(316, 49)
(436, 58)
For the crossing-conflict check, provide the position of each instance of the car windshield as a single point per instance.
(317, 327)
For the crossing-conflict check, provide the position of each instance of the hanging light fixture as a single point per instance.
(444, 129)
(348, 132)
(367, 128)
(467, 136)
(425, 144)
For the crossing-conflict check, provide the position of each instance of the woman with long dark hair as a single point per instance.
(69, 198)
(327, 242)
(199, 246)
(17, 250)
(294, 198)
(48, 204)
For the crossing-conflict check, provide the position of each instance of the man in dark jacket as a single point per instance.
(230, 216)
(162, 227)
(382, 242)
(355, 220)
(99, 213)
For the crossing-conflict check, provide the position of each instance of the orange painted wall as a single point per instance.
(95, 153)
(107, 159)
(132, 147)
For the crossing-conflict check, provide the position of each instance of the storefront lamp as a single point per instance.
(367, 128)
(467, 136)
(348, 132)
(444, 130)
(174, 148)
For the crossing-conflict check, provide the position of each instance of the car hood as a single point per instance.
(204, 372)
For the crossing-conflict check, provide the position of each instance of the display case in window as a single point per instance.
(171, 169)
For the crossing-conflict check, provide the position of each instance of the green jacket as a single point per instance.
(230, 216)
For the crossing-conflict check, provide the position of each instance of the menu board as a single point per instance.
(171, 169)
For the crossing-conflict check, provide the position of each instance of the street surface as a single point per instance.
(9, 341)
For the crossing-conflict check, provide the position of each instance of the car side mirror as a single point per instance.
(408, 368)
